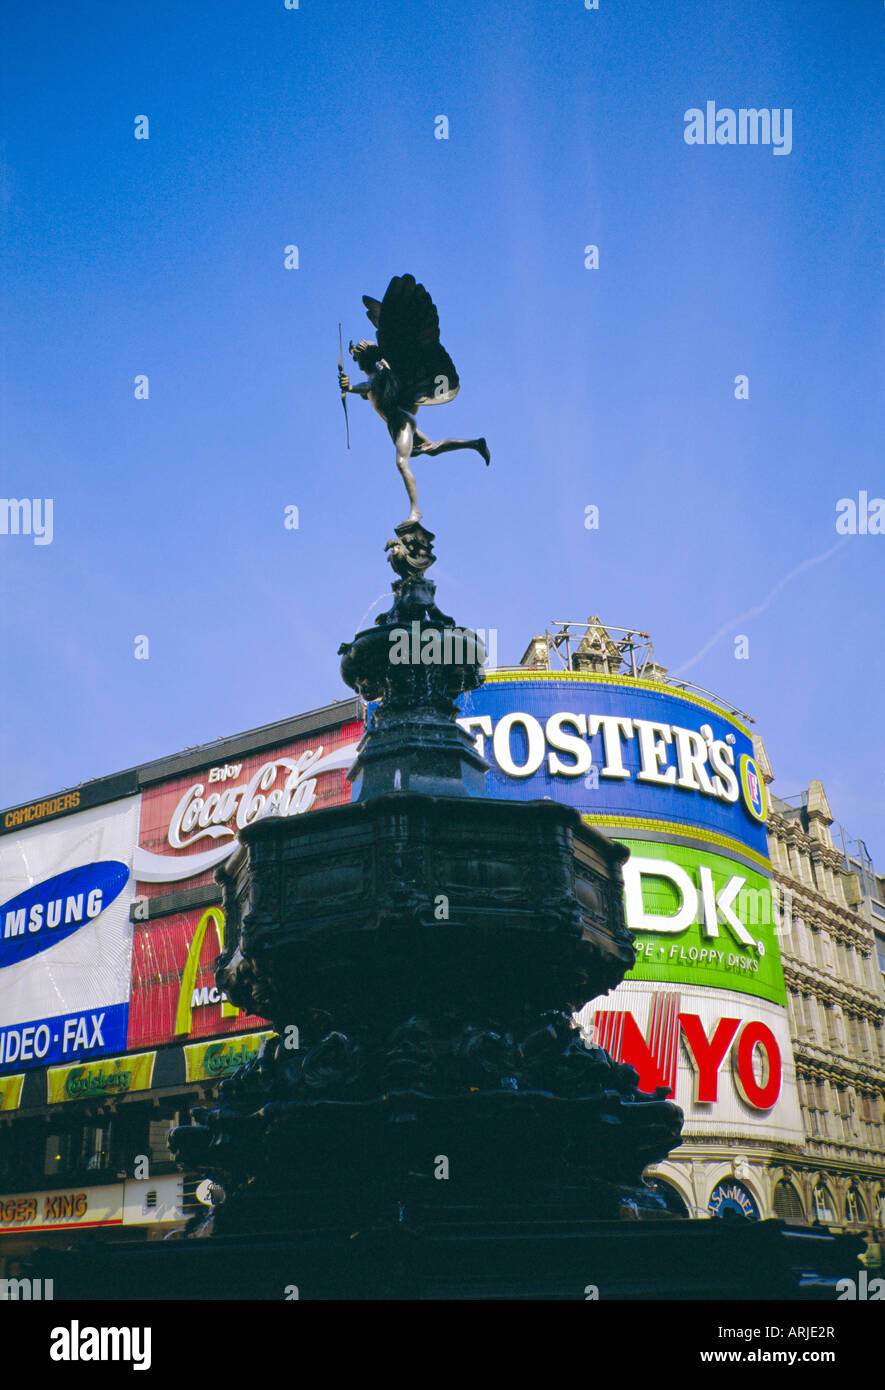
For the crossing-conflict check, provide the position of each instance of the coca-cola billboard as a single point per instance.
(189, 825)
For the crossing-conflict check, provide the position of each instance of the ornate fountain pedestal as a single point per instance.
(420, 953)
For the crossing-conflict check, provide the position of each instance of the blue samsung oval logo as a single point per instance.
(45, 914)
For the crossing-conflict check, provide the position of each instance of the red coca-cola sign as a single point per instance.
(189, 825)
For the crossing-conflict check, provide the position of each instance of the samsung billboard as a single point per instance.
(66, 888)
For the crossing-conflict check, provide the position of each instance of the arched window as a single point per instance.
(787, 1202)
(674, 1201)
(823, 1205)
(854, 1207)
(730, 1200)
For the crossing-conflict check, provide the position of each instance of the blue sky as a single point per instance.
(612, 387)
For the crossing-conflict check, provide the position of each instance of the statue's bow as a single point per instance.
(343, 393)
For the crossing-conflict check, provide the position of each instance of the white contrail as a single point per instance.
(760, 608)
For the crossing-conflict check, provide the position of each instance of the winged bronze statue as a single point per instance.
(406, 368)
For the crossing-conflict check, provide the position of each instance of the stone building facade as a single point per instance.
(831, 911)
(836, 1005)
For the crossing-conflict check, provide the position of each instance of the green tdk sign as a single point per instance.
(701, 919)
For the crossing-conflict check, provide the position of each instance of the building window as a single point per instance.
(838, 894)
(731, 1201)
(823, 1205)
(864, 1118)
(823, 1113)
(787, 1202)
(854, 1034)
(96, 1147)
(58, 1154)
(880, 950)
(81, 1149)
(850, 1112)
(672, 1199)
(158, 1131)
(870, 1110)
(830, 1023)
(854, 1210)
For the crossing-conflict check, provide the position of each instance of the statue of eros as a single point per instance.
(407, 367)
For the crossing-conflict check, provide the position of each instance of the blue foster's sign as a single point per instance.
(615, 747)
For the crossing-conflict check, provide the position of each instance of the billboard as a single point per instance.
(85, 971)
(190, 824)
(65, 939)
(621, 750)
(672, 776)
(111, 1077)
(212, 1061)
(701, 918)
(111, 1204)
(173, 996)
(725, 1059)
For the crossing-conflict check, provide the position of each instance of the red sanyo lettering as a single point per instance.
(760, 1095)
(707, 1054)
(654, 1058)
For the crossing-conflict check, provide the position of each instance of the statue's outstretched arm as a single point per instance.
(362, 388)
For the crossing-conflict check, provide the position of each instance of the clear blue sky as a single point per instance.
(612, 387)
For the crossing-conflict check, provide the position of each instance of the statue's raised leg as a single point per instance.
(445, 445)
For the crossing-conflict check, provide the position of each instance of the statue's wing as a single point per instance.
(373, 309)
(408, 336)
